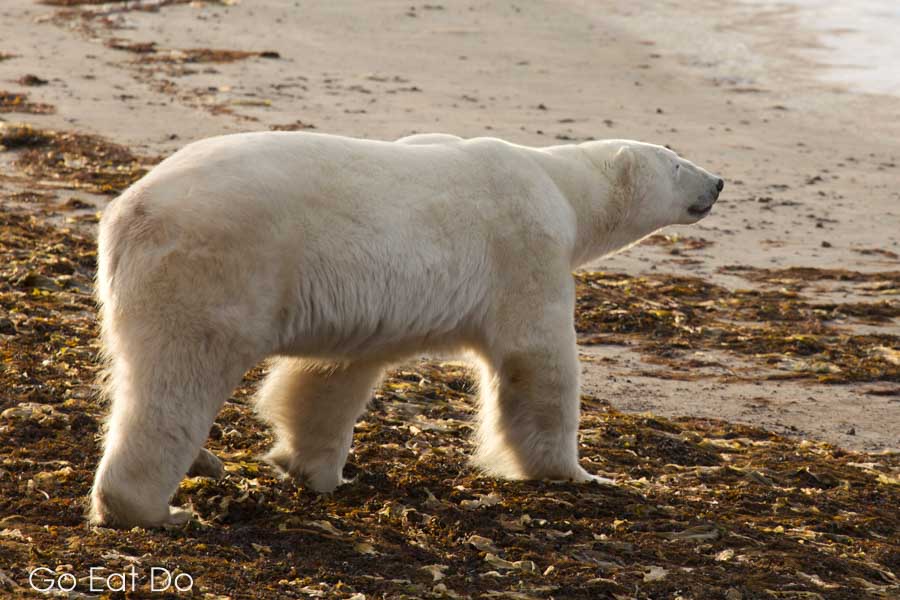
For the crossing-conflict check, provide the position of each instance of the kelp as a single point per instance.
(677, 243)
(129, 5)
(80, 2)
(670, 317)
(18, 103)
(887, 282)
(202, 55)
(72, 160)
(150, 53)
(702, 508)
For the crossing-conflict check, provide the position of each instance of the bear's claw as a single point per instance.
(582, 476)
(178, 517)
(323, 480)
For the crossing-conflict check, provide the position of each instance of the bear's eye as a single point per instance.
(677, 167)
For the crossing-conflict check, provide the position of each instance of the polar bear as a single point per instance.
(338, 256)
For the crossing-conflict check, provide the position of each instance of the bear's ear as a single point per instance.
(623, 165)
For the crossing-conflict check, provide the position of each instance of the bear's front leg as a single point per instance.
(313, 407)
(528, 421)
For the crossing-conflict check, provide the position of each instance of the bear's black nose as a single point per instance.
(720, 184)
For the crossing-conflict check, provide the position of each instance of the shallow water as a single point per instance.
(860, 40)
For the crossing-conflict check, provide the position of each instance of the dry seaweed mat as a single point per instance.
(703, 509)
(64, 159)
(798, 278)
(669, 318)
(19, 103)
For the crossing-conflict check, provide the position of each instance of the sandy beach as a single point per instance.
(812, 167)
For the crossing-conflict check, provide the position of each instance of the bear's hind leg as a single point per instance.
(313, 406)
(165, 396)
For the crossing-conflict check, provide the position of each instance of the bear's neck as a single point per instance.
(601, 206)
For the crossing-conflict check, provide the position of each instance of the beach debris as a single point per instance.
(32, 80)
(498, 563)
(482, 543)
(671, 318)
(436, 571)
(482, 500)
(14, 102)
(42, 414)
(64, 159)
(677, 243)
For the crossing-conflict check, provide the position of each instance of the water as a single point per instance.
(860, 38)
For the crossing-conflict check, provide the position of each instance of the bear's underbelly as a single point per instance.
(370, 314)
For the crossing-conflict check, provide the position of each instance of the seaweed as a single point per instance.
(16, 102)
(79, 2)
(151, 62)
(202, 55)
(150, 53)
(801, 277)
(297, 125)
(18, 135)
(72, 160)
(32, 80)
(677, 243)
(126, 5)
(668, 316)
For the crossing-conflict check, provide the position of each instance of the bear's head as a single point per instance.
(651, 187)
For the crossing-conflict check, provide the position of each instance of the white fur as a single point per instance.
(339, 256)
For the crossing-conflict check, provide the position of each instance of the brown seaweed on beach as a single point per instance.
(16, 102)
(32, 80)
(136, 47)
(150, 53)
(72, 160)
(297, 125)
(800, 277)
(157, 67)
(669, 317)
(121, 5)
(143, 5)
(79, 2)
(203, 55)
(677, 243)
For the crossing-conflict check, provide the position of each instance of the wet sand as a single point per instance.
(812, 167)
